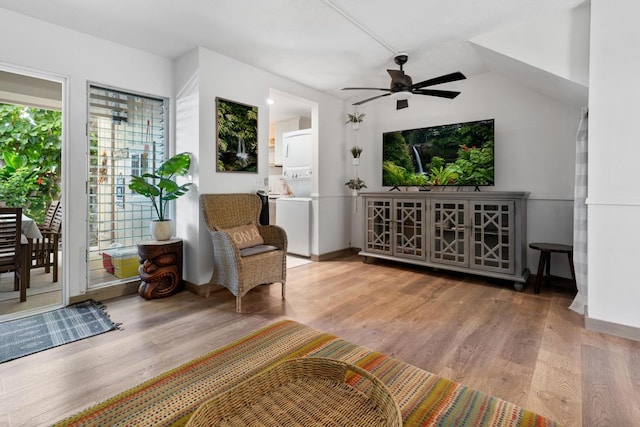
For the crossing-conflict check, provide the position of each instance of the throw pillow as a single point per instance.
(245, 236)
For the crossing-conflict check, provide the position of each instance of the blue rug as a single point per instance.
(47, 330)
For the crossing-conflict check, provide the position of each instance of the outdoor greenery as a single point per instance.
(160, 186)
(30, 143)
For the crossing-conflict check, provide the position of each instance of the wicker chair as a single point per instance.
(241, 270)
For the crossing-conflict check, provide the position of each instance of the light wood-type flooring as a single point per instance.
(525, 348)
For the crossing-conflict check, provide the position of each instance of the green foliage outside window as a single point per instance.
(30, 144)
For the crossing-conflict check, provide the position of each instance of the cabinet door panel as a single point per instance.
(378, 225)
(409, 228)
(493, 246)
(449, 221)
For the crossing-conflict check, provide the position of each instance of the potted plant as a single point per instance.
(160, 187)
(355, 120)
(356, 151)
(355, 184)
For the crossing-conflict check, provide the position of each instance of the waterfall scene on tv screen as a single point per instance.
(452, 154)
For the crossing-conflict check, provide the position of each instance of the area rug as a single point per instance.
(39, 332)
(425, 399)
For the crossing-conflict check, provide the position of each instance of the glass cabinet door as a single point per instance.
(493, 246)
(378, 225)
(409, 228)
(449, 222)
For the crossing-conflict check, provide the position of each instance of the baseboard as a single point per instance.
(623, 331)
(335, 254)
(107, 292)
(199, 290)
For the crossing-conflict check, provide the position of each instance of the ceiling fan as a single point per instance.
(402, 86)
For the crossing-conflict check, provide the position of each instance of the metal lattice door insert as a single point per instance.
(409, 228)
(449, 221)
(378, 227)
(493, 246)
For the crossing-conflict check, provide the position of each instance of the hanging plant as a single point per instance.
(355, 184)
(355, 118)
(356, 151)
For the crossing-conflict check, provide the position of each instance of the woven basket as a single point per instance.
(306, 392)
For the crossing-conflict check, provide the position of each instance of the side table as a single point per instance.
(545, 261)
(160, 267)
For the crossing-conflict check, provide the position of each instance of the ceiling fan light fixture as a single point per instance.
(401, 95)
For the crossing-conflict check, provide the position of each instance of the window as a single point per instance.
(127, 136)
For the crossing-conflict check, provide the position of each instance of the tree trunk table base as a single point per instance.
(160, 267)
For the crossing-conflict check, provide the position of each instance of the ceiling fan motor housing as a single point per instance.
(401, 59)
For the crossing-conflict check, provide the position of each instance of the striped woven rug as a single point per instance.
(42, 331)
(425, 399)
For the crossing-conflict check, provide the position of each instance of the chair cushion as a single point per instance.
(258, 249)
(245, 236)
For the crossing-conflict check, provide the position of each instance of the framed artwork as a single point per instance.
(236, 136)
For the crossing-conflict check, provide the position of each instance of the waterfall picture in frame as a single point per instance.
(236, 136)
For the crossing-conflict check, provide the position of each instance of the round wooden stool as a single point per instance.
(545, 261)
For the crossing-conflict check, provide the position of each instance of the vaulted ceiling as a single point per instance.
(323, 44)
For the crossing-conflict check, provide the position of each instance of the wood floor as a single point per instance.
(525, 348)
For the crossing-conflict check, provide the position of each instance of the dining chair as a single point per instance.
(44, 252)
(11, 248)
(49, 215)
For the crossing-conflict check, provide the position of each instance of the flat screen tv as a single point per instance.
(454, 154)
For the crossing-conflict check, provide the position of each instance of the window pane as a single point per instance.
(127, 136)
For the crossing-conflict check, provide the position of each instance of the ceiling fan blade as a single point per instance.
(371, 99)
(366, 88)
(438, 80)
(402, 103)
(441, 93)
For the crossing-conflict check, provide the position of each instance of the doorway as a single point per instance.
(31, 146)
(292, 124)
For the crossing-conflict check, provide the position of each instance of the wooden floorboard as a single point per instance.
(525, 348)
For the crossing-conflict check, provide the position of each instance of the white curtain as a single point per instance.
(580, 214)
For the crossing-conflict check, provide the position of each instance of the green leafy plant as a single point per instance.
(443, 176)
(355, 118)
(30, 143)
(355, 184)
(356, 151)
(160, 186)
(397, 175)
(474, 166)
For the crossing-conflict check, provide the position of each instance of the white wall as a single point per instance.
(558, 44)
(534, 148)
(47, 48)
(613, 199)
(221, 76)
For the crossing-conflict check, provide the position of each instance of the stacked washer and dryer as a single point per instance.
(294, 213)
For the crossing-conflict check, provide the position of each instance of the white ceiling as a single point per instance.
(323, 44)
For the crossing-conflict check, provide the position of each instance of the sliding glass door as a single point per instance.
(31, 129)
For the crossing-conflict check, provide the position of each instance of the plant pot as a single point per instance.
(161, 230)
